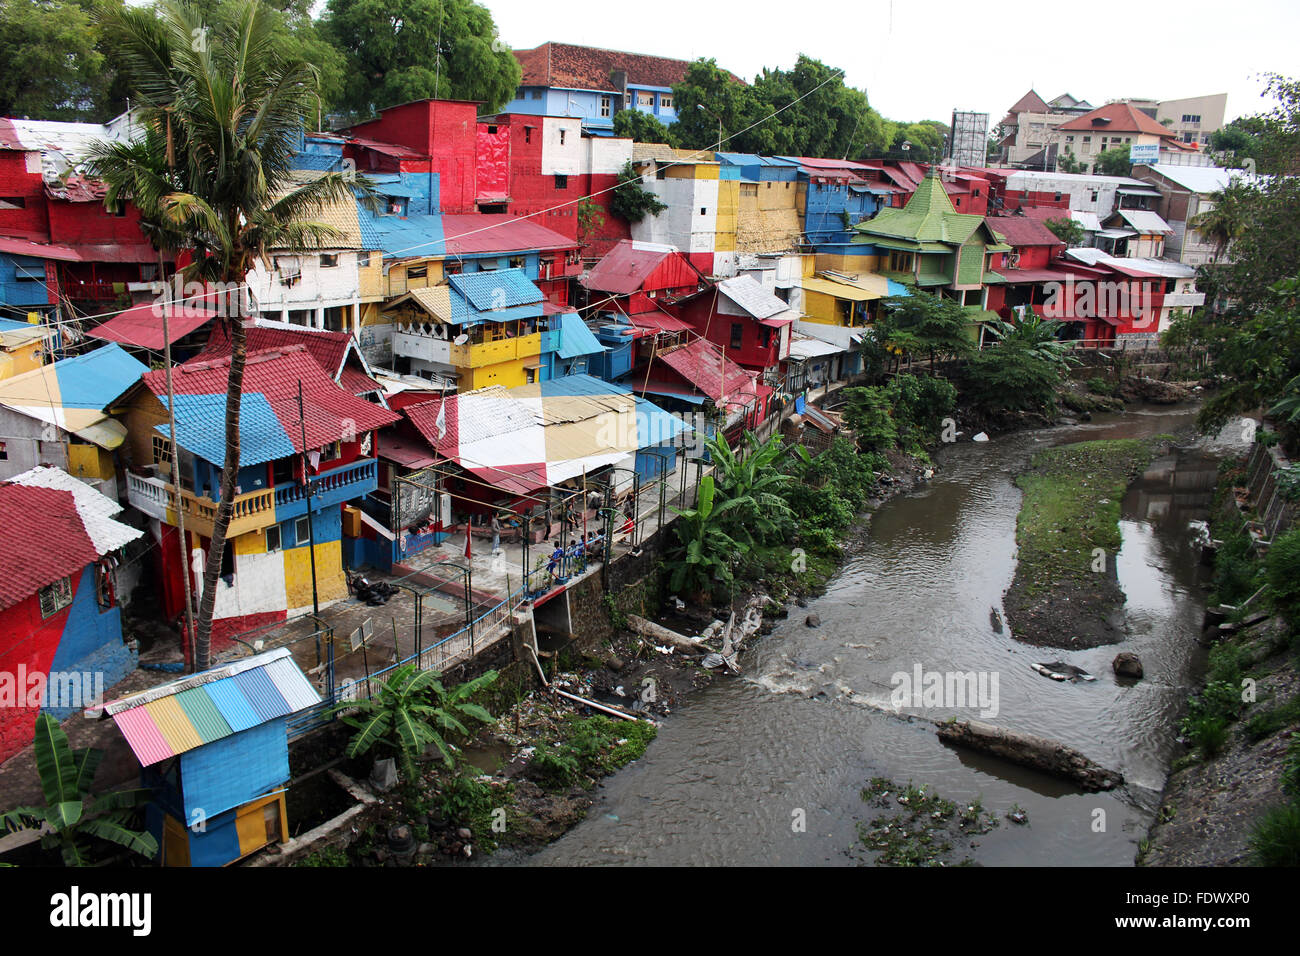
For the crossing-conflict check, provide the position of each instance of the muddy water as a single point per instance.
(797, 736)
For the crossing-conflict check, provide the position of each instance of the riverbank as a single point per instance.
(1066, 593)
(1233, 798)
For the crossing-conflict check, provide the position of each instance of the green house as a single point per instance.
(927, 243)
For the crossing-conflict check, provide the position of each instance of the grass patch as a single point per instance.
(1072, 507)
(1275, 840)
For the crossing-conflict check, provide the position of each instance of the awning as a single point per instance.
(108, 434)
(1136, 191)
(802, 348)
(1116, 233)
(658, 322)
(841, 290)
(672, 392)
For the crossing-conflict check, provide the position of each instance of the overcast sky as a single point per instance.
(920, 60)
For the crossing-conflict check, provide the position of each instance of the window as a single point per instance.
(363, 260)
(605, 106)
(749, 189)
(737, 334)
(417, 272)
(900, 262)
(55, 597)
(645, 99)
(665, 101)
(561, 181)
(329, 260)
(1069, 139)
(453, 268)
(1094, 195)
(537, 94)
(528, 134)
(273, 538)
(562, 132)
(704, 210)
(332, 451)
(302, 531)
(516, 262)
(162, 452)
(13, 202)
(290, 271)
(4, 452)
(492, 130)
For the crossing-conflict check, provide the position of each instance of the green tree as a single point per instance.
(227, 113)
(1113, 162)
(870, 414)
(591, 219)
(71, 817)
(1067, 230)
(640, 126)
(630, 200)
(706, 95)
(411, 712)
(51, 64)
(923, 323)
(1021, 371)
(754, 479)
(1067, 162)
(403, 50)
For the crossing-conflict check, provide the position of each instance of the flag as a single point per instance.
(468, 555)
(441, 422)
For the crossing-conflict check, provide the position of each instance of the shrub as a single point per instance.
(1208, 733)
(1100, 386)
(870, 414)
(1282, 572)
(1275, 841)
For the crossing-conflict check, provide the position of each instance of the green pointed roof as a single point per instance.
(928, 217)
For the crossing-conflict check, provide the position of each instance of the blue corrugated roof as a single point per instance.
(580, 384)
(654, 425)
(233, 705)
(261, 693)
(95, 379)
(497, 289)
(575, 338)
(201, 428)
(896, 288)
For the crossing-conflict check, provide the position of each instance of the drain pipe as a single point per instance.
(574, 697)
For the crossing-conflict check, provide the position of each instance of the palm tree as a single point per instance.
(223, 113)
(70, 814)
(411, 712)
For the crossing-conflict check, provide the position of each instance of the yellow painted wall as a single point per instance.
(371, 278)
(89, 461)
(820, 308)
(508, 374)
(399, 283)
(255, 543)
(768, 218)
(728, 210)
(250, 823)
(22, 358)
(835, 262)
(331, 585)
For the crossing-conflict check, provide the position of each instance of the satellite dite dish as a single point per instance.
(461, 339)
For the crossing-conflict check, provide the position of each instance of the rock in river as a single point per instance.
(1127, 665)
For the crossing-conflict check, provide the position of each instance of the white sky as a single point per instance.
(920, 60)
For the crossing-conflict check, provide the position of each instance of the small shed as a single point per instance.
(214, 749)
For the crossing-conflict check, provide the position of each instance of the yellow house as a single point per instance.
(22, 346)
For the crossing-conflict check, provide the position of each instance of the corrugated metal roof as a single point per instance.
(95, 509)
(575, 338)
(749, 294)
(1147, 223)
(142, 326)
(262, 694)
(179, 716)
(291, 683)
(497, 289)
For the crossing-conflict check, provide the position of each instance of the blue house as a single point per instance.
(214, 749)
(562, 79)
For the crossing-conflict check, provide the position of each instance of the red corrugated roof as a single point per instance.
(479, 233)
(45, 541)
(141, 325)
(702, 364)
(40, 250)
(388, 149)
(625, 268)
(1118, 118)
(1024, 230)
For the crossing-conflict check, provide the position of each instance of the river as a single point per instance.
(796, 738)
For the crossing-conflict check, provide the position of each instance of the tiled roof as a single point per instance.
(46, 540)
(1117, 118)
(329, 349)
(141, 325)
(568, 66)
(173, 718)
(1031, 102)
(269, 421)
(96, 509)
(497, 289)
(928, 217)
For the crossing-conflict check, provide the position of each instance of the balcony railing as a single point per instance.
(157, 498)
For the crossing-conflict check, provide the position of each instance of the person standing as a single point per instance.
(496, 532)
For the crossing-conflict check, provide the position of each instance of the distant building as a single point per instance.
(592, 84)
(1185, 193)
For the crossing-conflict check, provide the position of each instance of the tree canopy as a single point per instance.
(640, 126)
(52, 61)
(402, 50)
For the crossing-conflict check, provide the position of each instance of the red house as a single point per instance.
(640, 277)
(746, 320)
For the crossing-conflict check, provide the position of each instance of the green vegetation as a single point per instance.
(1113, 162)
(1022, 370)
(72, 820)
(1067, 230)
(412, 711)
(1071, 507)
(921, 834)
(630, 200)
(588, 748)
(328, 856)
(1282, 573)
(640, 126)
(907, 413)
(1275, 841)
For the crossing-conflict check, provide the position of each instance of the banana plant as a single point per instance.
(71, 816)
(412, 711)
(706, 549)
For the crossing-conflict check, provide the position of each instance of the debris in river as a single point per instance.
(995, 620)
(1060, 671)
(1029, 750)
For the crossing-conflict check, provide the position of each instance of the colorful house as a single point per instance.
(59, 415)
(702, 209)
(23, 346)
(591, 84)
(747, 320)
(638, 277)
(60, 624)
(929, 244)
(213, 747)
(480, 329)
(296, 471)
